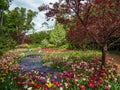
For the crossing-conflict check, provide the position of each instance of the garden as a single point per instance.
(69, 70)
(80, 52)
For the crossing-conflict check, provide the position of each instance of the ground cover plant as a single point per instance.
(9, 69)
(67, 56)
(78, 75)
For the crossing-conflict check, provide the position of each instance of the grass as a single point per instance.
(70, 56)
(34, 45)
(114, 52)
(31, 52)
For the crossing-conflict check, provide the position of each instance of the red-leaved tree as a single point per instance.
(99, 19)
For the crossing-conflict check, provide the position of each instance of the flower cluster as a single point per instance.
(80, 75)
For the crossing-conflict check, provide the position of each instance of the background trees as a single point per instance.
(58, 35)
(14, 25)
(38, 37)
(19, 22)
(98, 19)
(6, 42)
(4, 5)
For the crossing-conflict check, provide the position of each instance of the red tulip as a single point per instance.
(82, 87)
(36, 86)
(91, 85)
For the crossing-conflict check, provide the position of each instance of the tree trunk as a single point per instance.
(104, 51)
(1, 19)
(23, 39)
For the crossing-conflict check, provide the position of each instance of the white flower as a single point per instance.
(26, 86)
(84, 79)
(115, 79)
(30, 88)
(22, 54)
(61, 88)
(48, 80)
(39, 51)
(66, 85)
(109, 86)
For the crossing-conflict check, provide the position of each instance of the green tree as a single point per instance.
(37, 38)
(58, 34)
(19, 20)
(4, 5)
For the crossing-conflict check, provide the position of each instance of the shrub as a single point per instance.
(44, 43)
(6, 43)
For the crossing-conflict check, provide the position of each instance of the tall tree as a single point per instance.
(19, 21)
(4, 5)
(99, 19)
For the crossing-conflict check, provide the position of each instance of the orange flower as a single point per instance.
(19, 83)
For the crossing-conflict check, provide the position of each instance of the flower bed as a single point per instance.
(78, 75)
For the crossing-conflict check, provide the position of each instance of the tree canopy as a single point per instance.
(98, 19)
(19, 21)
(4, 5)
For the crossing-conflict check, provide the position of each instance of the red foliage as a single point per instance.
(98, 20)
(21, 38)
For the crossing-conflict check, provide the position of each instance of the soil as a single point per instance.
(114, 59)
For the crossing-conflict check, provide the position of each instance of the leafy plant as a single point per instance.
(6, 43)
(57, 35)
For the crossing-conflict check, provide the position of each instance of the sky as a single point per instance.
(33, 5)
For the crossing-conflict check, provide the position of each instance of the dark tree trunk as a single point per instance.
(23, 39)
(1, 18)
(104, 51)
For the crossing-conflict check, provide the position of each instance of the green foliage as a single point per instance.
(20, 19)
(34, 45)
(65, 46)
(9, 83)
(6, 43)
(58, 35)
(37, 38)
(116, 45)
(70, 56)
(4, 4)
(17, 22)
(44, 43)
(114, 52)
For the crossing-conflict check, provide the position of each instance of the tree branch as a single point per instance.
(114, 42)
(111, 33)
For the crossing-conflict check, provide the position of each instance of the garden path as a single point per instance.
(33, 62)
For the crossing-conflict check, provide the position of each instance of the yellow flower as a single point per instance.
(2, 78)
(6, 71)
(36, 72)
(49, 85)
(33, 82)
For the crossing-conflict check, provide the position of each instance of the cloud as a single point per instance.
(33, 5)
